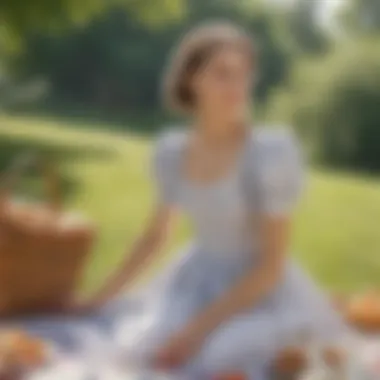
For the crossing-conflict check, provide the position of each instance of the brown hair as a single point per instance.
(193, 52)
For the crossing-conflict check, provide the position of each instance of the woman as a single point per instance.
(235, 298)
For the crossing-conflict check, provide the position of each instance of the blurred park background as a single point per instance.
(80, 80)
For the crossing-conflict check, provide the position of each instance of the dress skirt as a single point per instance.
(293, 311)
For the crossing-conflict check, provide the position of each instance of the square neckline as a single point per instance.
(232, 173)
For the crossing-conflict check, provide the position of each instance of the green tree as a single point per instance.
(19, 18)
(334, 103)
(305, 32)
(362, 16)
(116, 61)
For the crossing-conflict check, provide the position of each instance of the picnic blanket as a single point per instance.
(87, 349)
(83, 346)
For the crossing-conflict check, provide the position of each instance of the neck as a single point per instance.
(218, 129)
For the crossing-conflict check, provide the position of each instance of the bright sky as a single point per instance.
(327, 8)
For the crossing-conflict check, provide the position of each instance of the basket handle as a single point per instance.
(17, 169)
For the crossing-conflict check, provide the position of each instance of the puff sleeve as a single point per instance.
(280, 173)
(163, 168)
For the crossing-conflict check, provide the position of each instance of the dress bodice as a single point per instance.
(266, 179)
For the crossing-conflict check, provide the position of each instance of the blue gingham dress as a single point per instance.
(266, 180)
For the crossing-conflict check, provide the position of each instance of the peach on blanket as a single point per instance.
(363, 312)
(293, 360)
(20, 352)
(231, 376)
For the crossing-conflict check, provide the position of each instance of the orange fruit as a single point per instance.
(23, 349)
(32, 353)
(333, 357)
(363, 311)
(231, 376)
(290, 360)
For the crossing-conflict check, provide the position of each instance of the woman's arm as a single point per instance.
(245, 294)
(254, 285)
(143, 251)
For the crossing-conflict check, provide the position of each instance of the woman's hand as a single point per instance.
(179, 349)
(142, 253)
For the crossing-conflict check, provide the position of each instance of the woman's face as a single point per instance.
(223, 86)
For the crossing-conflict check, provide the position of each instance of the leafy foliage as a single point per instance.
(362, 16)
(20, 17)
(117, 60)
(112, 55)
(305, 31)
(335, 104)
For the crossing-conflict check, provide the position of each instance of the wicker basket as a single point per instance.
(42, 249)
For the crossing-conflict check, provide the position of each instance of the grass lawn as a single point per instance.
(106, 175)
